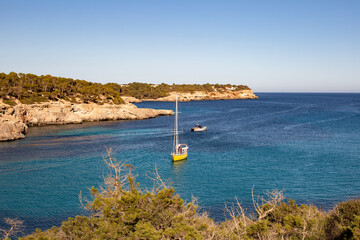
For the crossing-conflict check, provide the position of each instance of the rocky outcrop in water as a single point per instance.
(11, 129)
(14, 121)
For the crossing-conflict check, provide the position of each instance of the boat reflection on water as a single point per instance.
(179, 164)
(178, 169)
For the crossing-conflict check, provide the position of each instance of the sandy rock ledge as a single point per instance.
(14, 121)
(200, 95)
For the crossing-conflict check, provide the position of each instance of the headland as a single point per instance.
(30, 100)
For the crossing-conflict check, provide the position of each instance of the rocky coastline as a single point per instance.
(199, 96)
(15, 120)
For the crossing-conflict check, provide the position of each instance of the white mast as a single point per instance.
(176, 136)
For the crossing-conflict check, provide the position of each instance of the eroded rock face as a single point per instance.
(14, 121)
(199, 95)
(12, 130)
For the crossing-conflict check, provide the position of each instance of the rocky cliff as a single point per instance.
(200, 95)
(14, 121)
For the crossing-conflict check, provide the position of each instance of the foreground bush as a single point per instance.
(274, 219)
(121, 210)
(343, 221)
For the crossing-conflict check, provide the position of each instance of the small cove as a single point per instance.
(306, 144)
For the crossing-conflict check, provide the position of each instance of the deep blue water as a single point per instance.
(306, 144)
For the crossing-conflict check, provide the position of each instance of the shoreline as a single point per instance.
(197, 96)
(15, 121)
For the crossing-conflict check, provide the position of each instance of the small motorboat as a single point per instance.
(198, 128)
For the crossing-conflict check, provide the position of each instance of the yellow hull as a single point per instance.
(178, 157)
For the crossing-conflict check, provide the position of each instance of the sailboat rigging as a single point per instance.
(180, 150)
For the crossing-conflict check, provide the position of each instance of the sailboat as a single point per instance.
(179, 151)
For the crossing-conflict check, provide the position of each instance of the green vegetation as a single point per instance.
(30, 88)
(121, 210)
(9, 102)
(343, 221)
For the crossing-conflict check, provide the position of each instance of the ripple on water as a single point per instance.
(306, 144)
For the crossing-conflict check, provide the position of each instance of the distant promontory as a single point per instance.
(31, 100)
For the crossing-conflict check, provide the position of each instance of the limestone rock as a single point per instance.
(15, 120)
(200, 95)
(11, 129)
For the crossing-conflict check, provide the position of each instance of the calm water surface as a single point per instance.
(306, 144)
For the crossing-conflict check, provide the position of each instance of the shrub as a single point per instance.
(274, 219)
(34, 99)
(9, 102)
(27, 101)
(343, 221)
(118, 100)
(122, 210)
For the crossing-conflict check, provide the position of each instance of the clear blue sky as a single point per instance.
(269, 45)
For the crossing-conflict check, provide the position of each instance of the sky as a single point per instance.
(269, 45)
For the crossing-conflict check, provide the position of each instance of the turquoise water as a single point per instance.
(306, 144)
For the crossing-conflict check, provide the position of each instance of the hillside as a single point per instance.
(29, 88)
(30, 100)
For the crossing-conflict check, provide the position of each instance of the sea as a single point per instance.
(304, 144)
